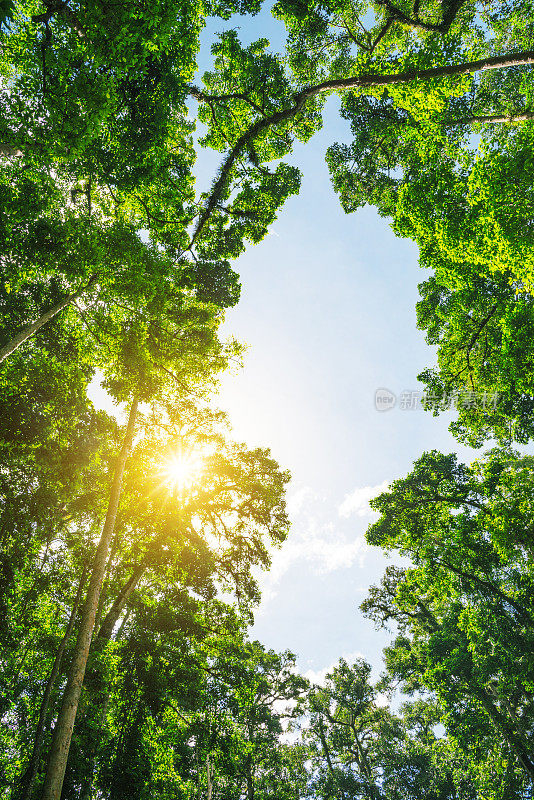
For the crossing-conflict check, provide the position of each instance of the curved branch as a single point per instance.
(416, 22)
(523, 116)
(342, 84)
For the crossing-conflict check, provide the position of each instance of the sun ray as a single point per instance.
(181, 471)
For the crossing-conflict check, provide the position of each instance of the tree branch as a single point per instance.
(416, 21)
(342, 84)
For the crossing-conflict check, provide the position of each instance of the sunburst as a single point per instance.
(182, 471)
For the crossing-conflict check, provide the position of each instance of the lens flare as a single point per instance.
(182, 471)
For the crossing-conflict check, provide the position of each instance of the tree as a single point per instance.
(482, 328)
(169, 542)
(112, 260)
(118, 134)
(360, 749)
(97, 148)
(53, 446)
(208, 536)
(138, 378)
(466, 201)
(249, 695)
(463, 609)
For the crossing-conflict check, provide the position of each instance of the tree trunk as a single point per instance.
(30, 329)
(101, 639)
(111, 618)
(59, 750)
(27, 781)
(250, 780)
(98, 704)
(209, 778)
(86, 792)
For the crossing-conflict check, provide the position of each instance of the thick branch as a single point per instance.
(416, 21)
(30, 329)
(342, 84)
(60, 7)
(524, 116)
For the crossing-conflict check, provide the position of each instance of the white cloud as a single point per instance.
(323, 547)
(315, 540)
(382, 700)
(296, 501)
(357, 502)
(327, 548)
(318, 676)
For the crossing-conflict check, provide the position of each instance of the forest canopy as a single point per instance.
(132, 542)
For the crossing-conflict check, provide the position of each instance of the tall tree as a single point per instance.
(482, 326)
(137, 378)
(464, 608)
(359, 748)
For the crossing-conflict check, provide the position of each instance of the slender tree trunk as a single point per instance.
(209, 777)
(28, 779)
(59, 750)
(109, 564)
(250, 780)
(87, 783)
(326, 752)
(30, 329)
(102, 637)
(111, 618)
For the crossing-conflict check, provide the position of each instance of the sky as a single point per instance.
(327, 310)
(328, 313)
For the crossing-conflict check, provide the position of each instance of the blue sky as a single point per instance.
(328, 311)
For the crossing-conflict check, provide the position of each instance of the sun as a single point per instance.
(181, 471)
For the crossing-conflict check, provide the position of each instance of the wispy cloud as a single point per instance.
(297, 500)
(321, 544)
(318, 676)
(318, 538)
(357, 502)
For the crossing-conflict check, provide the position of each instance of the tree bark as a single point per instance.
(27, 780)
(10, 150)
(103, 636)
(250, 781)
(59, 750)
(87, 783)
(111, 618)
(30, 329)
(522, 116)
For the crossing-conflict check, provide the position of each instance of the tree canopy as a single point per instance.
(132, 542)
